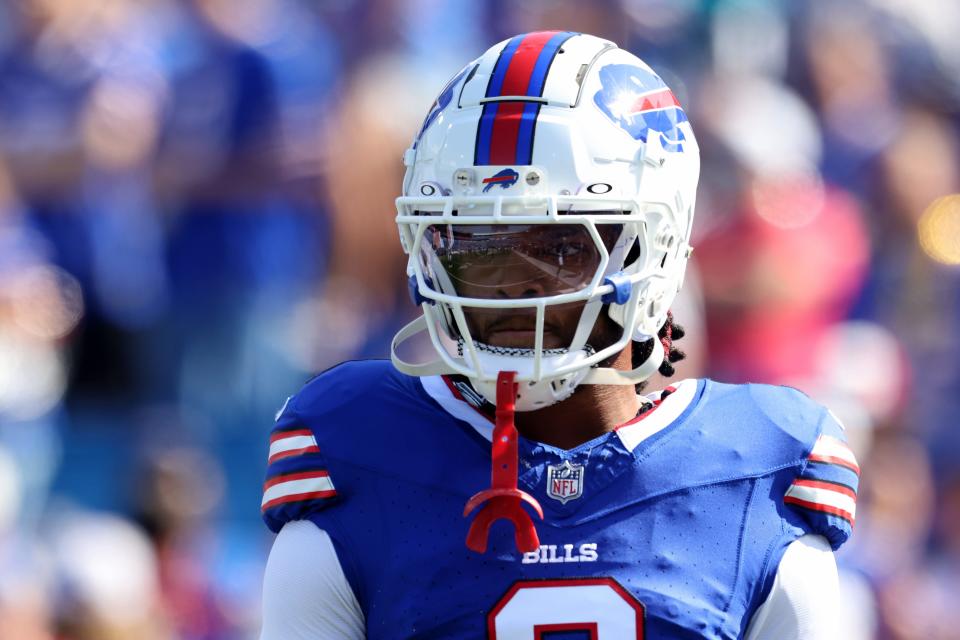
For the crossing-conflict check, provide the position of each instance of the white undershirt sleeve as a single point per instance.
(804, 602)
(306, 595)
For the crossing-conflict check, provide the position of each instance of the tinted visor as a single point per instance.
(514, 261)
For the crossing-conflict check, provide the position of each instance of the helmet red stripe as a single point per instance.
(506, 131)
(517, 78)
(506, 124)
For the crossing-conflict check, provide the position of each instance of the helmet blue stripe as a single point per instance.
(539, 76)
(538, 79)
(481, 154)
(485, 133)
(525, 136)
(523, 151)
(503, 63)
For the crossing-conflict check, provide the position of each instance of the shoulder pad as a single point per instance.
(344, 386)
(825, 492)
(790, 410)
(808, 442)
(298, 482)
(309, 435)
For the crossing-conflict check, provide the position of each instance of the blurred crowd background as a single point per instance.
(196, 214)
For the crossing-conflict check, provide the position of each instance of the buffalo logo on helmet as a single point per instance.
(639, 102)
(565, 481)
(442, 102)
(505, 178)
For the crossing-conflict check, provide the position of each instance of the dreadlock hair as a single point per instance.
(668, 334)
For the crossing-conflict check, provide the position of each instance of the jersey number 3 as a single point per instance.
(587, 608)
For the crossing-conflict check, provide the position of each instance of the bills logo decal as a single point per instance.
(639, 102)
(505, 179)
(442, 102)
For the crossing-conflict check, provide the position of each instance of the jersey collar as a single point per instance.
(669, 405)
(451, 400)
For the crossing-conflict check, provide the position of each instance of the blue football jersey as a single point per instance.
(671, 526)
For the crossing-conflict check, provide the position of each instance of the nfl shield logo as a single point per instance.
(565, 481)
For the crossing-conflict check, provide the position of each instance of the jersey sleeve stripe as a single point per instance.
(827, 485)
(295, 487)
(829, 449)
(827, 498)
(281, 434)
(291, 453)
(823, 508)
(298, 497)
(288, 477)
(290, 443)
(842, 462)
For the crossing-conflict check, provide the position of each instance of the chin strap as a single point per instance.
(649, 367)
(599, 375)
(503, 498)
(431, 368)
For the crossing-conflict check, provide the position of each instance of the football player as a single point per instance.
(546, 212)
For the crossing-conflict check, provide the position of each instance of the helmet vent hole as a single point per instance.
(470, 75)
(633, 255)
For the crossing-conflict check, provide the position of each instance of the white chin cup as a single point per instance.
(531, 395)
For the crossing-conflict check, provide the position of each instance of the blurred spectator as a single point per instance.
(25, 589)
(108, 576)
(40, 306)
(851, 74)
(360, 300)
(178, 494)
(909, 290)
(763, 313)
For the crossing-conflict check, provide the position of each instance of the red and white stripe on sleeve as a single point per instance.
(834, 451)
(284, 444)
(296, 487)
(827, 497)
(825, 493)
(298, 479)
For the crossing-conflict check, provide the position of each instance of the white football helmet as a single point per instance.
(556, 171)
